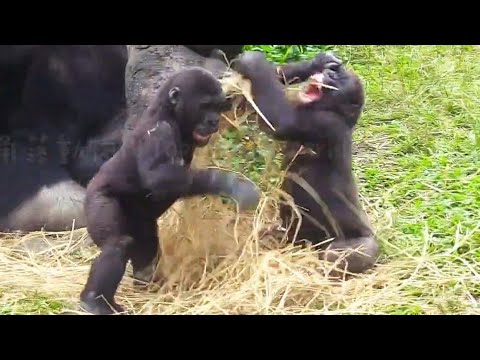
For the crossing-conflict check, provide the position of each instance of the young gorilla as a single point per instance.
(322, 121)
(147, 175)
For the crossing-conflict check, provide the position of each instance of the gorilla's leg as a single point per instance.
(37, 192)
(144, 252)
(359, 254)
(104, 215)
(105, 275)
(54, 207)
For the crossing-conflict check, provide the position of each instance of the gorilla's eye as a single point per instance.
(221, 105)
(331, 74)
(333, 66)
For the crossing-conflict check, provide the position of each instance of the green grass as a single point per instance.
(416, 152)
(32, 303)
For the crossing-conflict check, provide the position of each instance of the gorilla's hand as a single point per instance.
(246, 194)
(254, 65)
(229, 184)
(325, 60)
(251, 63)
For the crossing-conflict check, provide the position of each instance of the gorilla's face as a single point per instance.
(198, 101)
(209, 112)
(330, 77)
(335, 88)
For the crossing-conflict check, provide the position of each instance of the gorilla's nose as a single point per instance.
(213, 121)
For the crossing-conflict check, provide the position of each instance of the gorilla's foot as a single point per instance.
(96, 305)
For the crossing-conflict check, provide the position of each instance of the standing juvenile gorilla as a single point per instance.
(323, 122)
(147, 175)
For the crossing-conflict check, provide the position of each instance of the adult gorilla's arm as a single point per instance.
(85, 161)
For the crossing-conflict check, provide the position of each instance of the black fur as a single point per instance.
(59, 96)
(14, 63)
(68, 101)
(324, 127)
(147, 175)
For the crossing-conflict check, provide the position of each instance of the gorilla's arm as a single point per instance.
(84, 161)
(295, 72)
(300, 71)
(165, 180)
(303, 124)
(169, 181)
(269, 96)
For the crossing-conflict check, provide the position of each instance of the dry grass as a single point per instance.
(215, 262)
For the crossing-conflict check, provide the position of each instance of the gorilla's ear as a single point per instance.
(173, 95)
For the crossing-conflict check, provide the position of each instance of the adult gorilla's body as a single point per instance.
(75, 95)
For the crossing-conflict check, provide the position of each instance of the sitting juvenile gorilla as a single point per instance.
(147, 175)
(63, 113)
(322, 122)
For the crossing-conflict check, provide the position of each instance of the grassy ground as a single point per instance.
(416, 160)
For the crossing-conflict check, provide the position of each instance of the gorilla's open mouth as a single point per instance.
(200, 139)
(314, 89)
